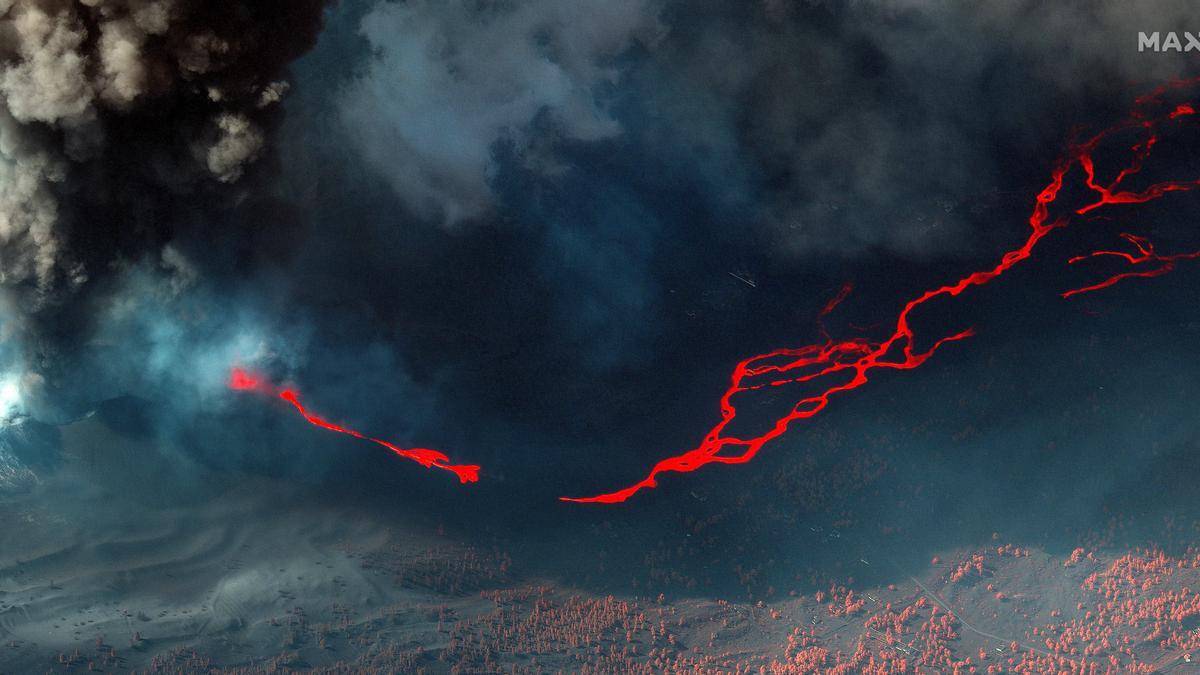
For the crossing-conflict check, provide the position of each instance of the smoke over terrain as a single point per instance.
(564, 186)
(130, 131)
(535, 238)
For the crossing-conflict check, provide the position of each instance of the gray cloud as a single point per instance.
(449, 80)
(71, 67)
(841, 128)
(28, 208)
(846, 129)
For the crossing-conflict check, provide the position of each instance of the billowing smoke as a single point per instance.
(852, 128)
(490, 201)
(452, 79)
(604, 167)
(125, 126)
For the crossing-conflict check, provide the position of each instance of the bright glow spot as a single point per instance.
(10, 398)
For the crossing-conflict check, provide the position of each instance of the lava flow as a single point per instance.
(241, 380)
(850, 361)
(1161, 264)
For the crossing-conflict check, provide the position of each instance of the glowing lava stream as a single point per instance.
(241, 380)
(853, 359)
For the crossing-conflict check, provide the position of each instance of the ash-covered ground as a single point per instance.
(907, 543)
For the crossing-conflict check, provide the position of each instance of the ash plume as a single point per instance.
(127, 128)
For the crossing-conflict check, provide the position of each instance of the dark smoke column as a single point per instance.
(125, 125)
